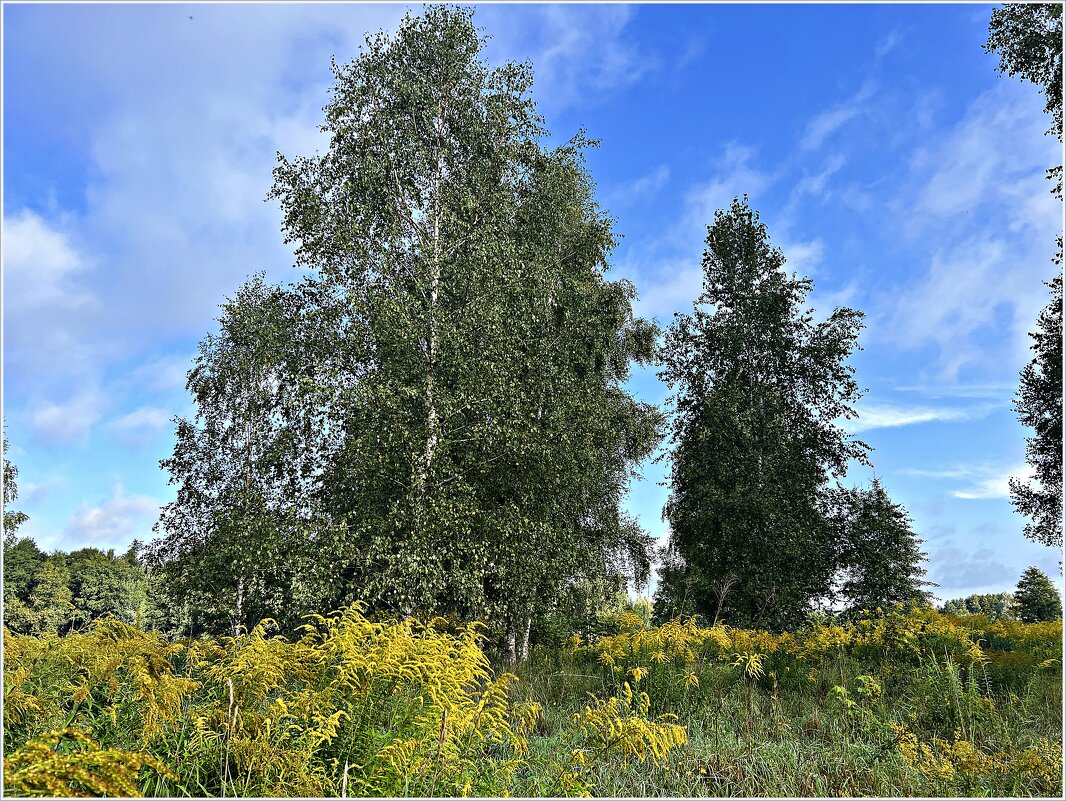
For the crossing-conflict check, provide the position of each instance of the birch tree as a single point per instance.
(470, 375)
(760, 389)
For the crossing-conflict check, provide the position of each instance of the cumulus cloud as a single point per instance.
(40, 264)
(112, 523)
(46, 301)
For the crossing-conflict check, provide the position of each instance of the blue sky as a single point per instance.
(889, 160)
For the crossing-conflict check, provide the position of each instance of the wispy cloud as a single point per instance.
(579, 53)
(975, 481)
(814, 184)
(639, 189)
(804, 257)
(141, 425)
(996, 486)
(824, 124)
(980, 277)
(886, 415)
(163, 374)
(964, 390)
(888, 42)
(666, 269)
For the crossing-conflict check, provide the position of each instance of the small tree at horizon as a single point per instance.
(1037, 598)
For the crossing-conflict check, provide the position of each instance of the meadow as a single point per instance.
(899, 702)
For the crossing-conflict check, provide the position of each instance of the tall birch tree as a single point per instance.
(480, 440)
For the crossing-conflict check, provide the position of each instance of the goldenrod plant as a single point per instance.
(899, 702)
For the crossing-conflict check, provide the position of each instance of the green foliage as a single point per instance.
(1028, 39)
(66, 592)
(1036, 597)
(246, 524)
(1039, 406)
(67, 763)
(12, 519)
(50, 598)
(994, 606)
(435, 421)
(880, 558)
(22, 558)
(759, 390)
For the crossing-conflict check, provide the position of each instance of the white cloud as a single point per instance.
(996, 486)
(815, 184)
(67, 422)
(977, 210)
(666, 269)
(578, 53)
(646, 186)
(978, 481)
(1001, 392)
(886, 415)
(178, 161)
(40, 491)
(734, 176)
(44, 300)
(141, 425)
(888, 42)
(824, 124)
(804, 257)
(164, 374)
(39, 264)
(113, 523)
(826, 301)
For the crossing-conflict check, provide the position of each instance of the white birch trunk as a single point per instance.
(524, 652)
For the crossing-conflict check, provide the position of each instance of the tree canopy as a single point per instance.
(1036, 597)
(1028, 39)
(759, 389)
(453, 365)
(880, 561)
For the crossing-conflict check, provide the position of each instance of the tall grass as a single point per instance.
(897, 703)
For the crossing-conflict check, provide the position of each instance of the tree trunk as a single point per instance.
(523, 654)
(510, 655)
(238, 617)
(432, 416)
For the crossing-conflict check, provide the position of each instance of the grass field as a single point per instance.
(896, 703)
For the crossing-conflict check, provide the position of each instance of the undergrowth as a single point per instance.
(907, 702)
